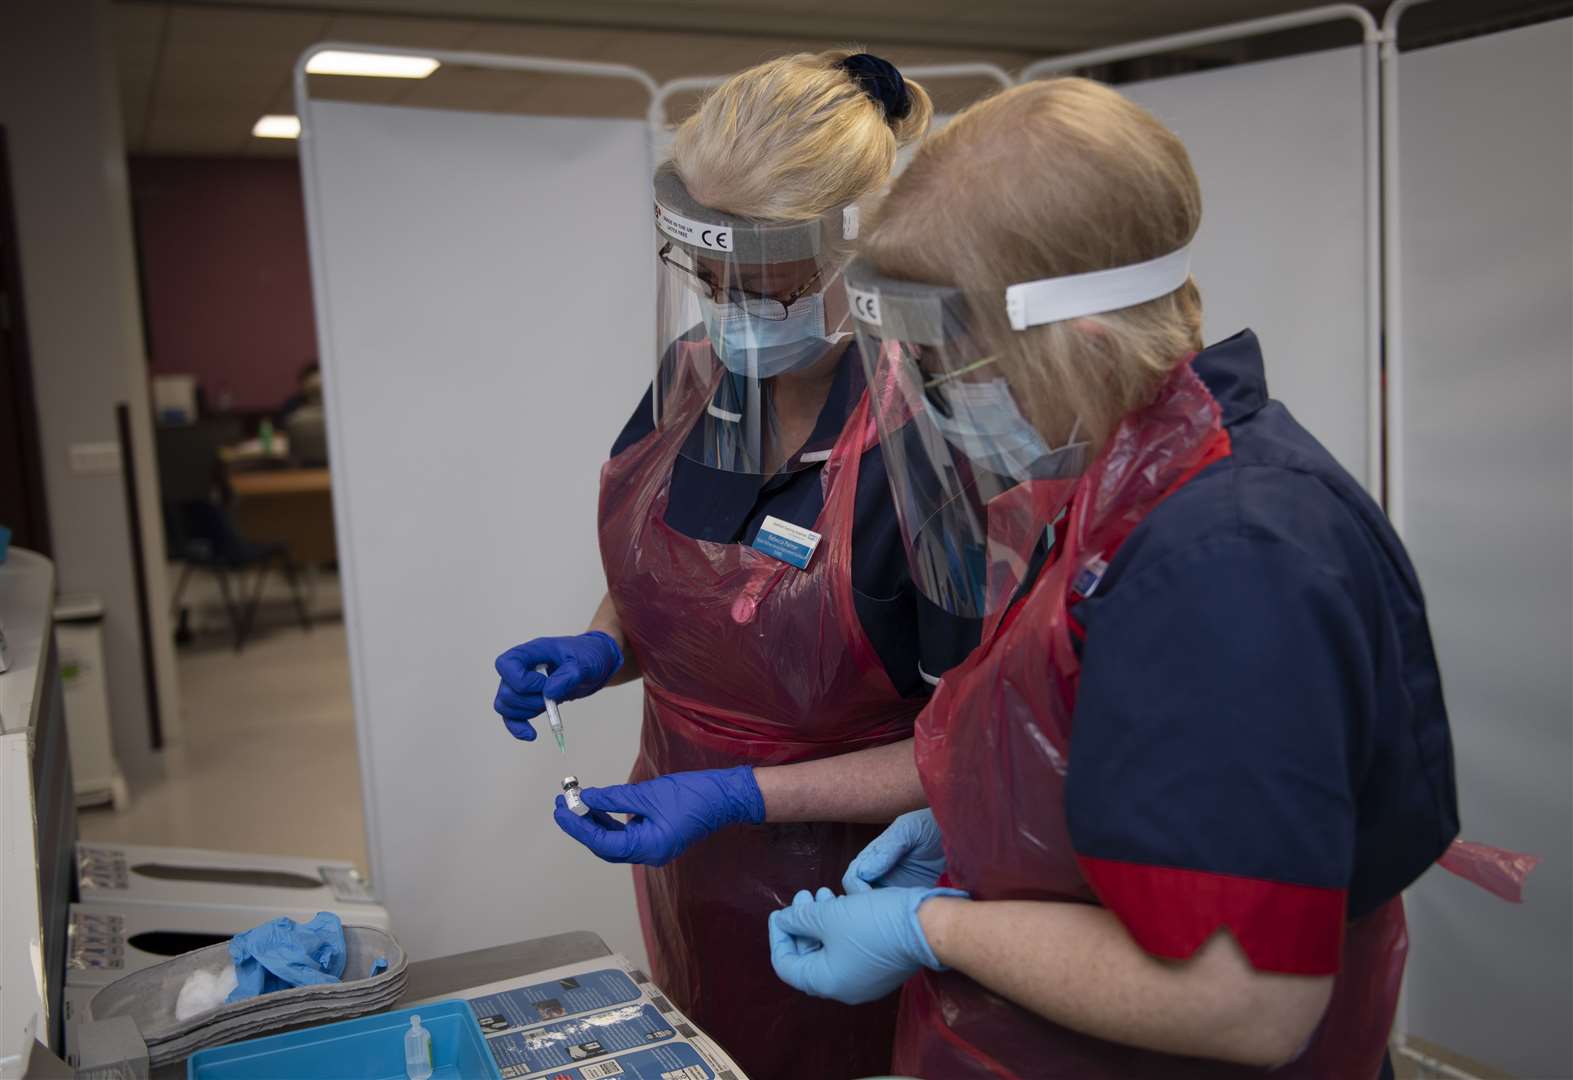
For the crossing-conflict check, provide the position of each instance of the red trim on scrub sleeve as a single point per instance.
(1172, 912)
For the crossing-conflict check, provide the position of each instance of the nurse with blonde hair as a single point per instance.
(753, 558)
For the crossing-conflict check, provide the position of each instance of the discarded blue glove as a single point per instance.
(910, 852)
(283, 953)
(853, 949)
(669, 813)
(577, 667)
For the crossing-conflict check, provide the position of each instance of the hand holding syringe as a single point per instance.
(554, 715)
(545, 671)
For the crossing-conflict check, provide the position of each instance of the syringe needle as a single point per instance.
(554, 717)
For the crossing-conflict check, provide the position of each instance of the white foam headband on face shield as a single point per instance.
(1033, 303)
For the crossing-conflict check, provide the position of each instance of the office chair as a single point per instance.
(201, 533)
(211, 543)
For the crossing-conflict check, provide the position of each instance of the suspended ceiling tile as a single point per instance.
(1137, 20)
(133, 110)
(137, 25)
(209, 58)
(669, 56)
(202, 82)
(1034, 27)
(218, 71)
(214, 129)
(406, 33)
(209, 27)
(559, 42)
(138, 34)
(283, 99)
(271, 148)
(138, 31)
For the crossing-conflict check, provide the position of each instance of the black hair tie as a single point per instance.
(879, 79)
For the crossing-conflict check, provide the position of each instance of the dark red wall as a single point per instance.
(225, 275)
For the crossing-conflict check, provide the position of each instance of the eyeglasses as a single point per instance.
(771, 308)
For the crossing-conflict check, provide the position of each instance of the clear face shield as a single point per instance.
(741, 306)
(975, 484)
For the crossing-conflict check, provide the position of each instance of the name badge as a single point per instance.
(1087, 580)
(792, 544)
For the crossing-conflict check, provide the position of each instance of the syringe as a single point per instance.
(553, 716)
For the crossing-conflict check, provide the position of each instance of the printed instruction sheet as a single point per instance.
(596, 1020)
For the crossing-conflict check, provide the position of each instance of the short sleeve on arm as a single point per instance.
(1223, 695)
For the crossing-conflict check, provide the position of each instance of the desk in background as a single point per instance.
(292, 506)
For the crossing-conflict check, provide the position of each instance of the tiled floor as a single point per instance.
(268, 762)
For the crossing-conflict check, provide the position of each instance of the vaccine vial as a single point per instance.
(417, 1051)
(571, 796)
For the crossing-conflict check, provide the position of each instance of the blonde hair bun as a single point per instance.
(797, 136)
(897, 99)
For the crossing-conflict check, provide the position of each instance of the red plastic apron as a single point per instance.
(993, 750)
(747, 660)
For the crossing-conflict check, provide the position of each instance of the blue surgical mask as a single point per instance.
(764, 348)
(985, 425)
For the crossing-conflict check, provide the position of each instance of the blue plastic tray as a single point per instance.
(370, 1048)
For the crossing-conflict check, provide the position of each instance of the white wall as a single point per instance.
(59, 107)
(1280, 151)
(486, 314)
(1486, 259)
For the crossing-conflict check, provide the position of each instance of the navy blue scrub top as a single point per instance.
(1259, 701)
(916, 641)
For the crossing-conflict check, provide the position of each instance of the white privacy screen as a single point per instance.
(1486, 257)
(1280, 151)
(485, 287)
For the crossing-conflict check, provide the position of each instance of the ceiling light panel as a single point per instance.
(371, 65)
(274, 126)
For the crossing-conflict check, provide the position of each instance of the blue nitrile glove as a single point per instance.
(909, 852)
(577, 667)
(853, 949)
(669, 813)
(282, 953)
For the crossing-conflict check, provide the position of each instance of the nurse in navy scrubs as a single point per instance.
(1158, 823)
(1175, 795)
(756, 580)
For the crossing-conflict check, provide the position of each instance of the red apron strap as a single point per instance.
(1217, 448)
(1496, 870)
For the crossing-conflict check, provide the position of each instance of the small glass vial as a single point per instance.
(417, 1051)
(571, 796)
